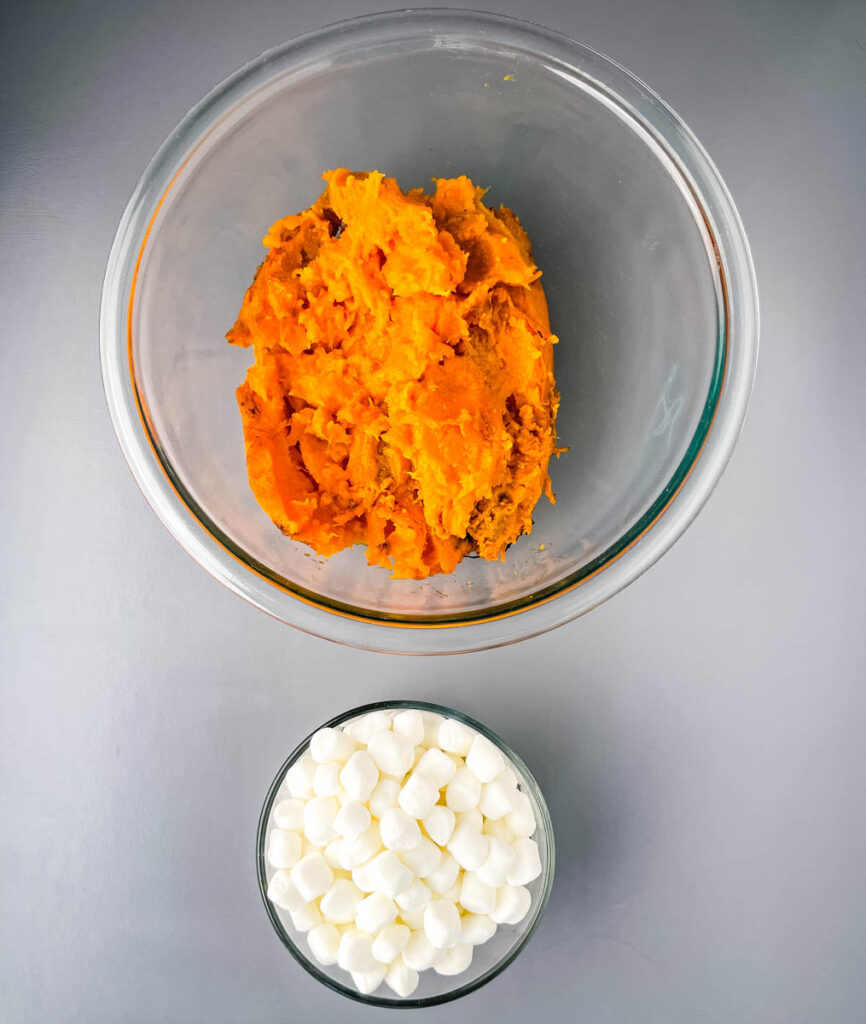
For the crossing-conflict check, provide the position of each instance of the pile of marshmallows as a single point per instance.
(404, 843)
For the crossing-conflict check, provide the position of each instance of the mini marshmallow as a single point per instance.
(340, 902)
(410, 723)
(389, 943)
(373, 912)
(456, 960)
(352, 820)
(484, 760)
(413, 918)
(393, 753)
(399, 831)
(359, 776)
(384, 796)
(390, 874)
(328, 745)
(439, 824)
(473, 818)
(306, 916)
(311, 876)
(500, 829)
(512, 904)
(442, 923)
(363, 878)
(299, 778)
(401, 979)
(424, 859)
(437, 766)
(416, 897)
(331, 853)
(282, 893)
(455, 737)
(319, 814)
(356, 952)
(453, 894)
(326, 779)
(432, 722)
(497, 799)
(499, 861)
(468, 847)
(419, 953)
(476, 896)
(476, 928)
(368, 981)
(508, 776)
(419, 795)
(289, 815)
(527, 862)
(444, 875)
(284, 848)
(355, 852)
(324, 943)
(521, 820)
(361, 729)
(463, 791)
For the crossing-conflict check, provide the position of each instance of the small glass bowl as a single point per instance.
(490, 958)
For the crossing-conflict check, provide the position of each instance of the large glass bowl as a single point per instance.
(645, 265)
(488, 959)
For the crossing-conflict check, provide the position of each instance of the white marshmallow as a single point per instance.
(363, 877)
(419, 953)
(331, 853)
(384, 796)
(455, 737)
(508, 776)
(468, 847)
(484, 759)
(306, 916)
(324, 943)
(439, 824)
(356, 952)
(444, 875)
(473, 818)
(284, 848)
(299, 778)
(497, 799)
(463, 791)
(359, 776)
(424, 859)
(330, 745)
(442, 923)
(352, 820)
(453, 894)
(476, 896)
(390, 874)
(437, 766)
(500, 829)
(393, 753)
(355, 852)
(432, 721)
(419, 795)
(389, 943)
(521, 820)
(399, 831)
(527, 862)
(326, 779)
(410, 723)
(282, 893)
(456, 960)
(499, 861)
(319, 814)
(361, 729)
(476, 928)
(289, 815)
(512, 904)
(416, 897)
(373, 912)
(401, 979)
(368, 981)
(311, 876)
(340, 902)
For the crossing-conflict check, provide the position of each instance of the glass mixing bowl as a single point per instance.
(490, 958)
(645, 265)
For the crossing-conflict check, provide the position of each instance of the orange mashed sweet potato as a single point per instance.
(402, 394)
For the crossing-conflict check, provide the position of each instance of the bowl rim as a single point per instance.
(543, 823)
(628, 556)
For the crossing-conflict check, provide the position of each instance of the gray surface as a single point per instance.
(699, 738)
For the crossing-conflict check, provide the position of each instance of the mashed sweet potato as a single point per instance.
(402, 394)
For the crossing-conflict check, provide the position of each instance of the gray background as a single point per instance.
(699, 738)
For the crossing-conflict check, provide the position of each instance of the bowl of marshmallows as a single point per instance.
(405, 854)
